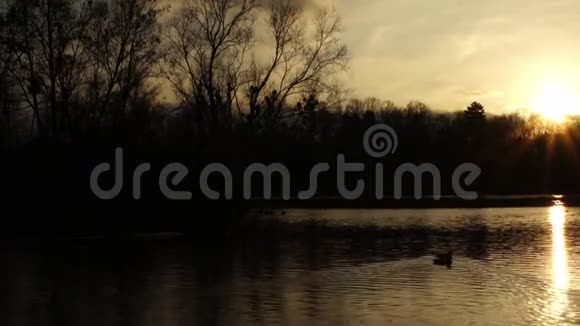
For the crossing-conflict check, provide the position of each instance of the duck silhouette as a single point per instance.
(443, 259)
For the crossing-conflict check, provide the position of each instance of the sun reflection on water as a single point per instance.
(560, 274)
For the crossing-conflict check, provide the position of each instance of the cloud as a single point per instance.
(416, 49)
(479, 93)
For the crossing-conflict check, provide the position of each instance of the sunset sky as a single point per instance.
(447, 53)
(508, 55)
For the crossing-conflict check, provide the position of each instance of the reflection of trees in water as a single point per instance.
(474, 240)
(477, 243)
(265, 277)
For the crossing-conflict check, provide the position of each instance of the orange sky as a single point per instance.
(449, 53)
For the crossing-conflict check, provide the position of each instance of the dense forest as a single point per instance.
(231, 81)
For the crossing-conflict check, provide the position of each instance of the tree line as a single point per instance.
(74, 67)
(238, 81)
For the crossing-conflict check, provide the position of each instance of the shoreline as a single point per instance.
(489, 201)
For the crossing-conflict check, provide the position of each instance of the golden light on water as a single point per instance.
(559, 253)
(560, 273)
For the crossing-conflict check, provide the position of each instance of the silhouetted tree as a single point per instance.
(7, 83)
(121, 49)
(44, 33)
(475, 111)
(309, 108)
(212, 57)
(473, 128)
(206, 45)
(303, 62)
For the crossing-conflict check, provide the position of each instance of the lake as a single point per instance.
(511, 266)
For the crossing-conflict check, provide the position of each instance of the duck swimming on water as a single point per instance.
(443, 259)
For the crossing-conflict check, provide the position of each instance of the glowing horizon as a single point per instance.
(449, 54)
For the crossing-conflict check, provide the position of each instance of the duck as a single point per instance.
(443, 259)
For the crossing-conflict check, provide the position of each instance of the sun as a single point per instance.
(556, 101)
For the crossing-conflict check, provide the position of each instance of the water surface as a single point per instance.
(312, 267)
